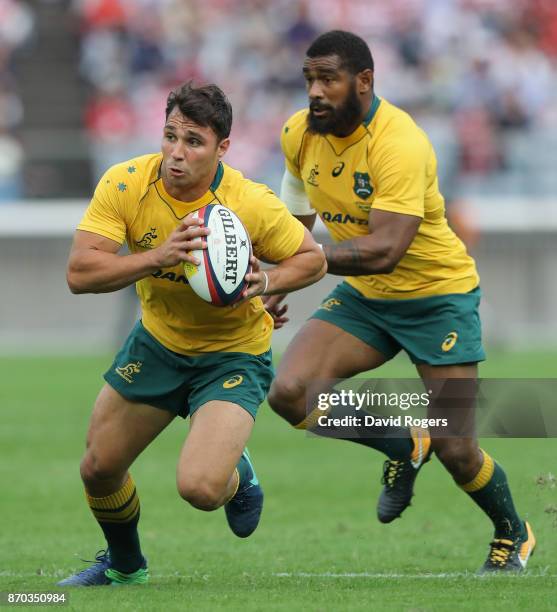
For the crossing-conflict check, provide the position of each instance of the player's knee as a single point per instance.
(285, 396)
(200, 493)
(95, 469)
(461, 457)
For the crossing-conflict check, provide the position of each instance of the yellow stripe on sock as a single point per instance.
(237, 474)
(482, 477)
(121, 506)
(123, 516)
(311, 419)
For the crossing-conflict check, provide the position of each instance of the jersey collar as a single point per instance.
(372, 110)
(218, 177)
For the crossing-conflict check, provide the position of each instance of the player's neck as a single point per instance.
(188, 193)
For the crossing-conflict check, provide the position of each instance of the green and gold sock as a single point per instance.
(118, 516)
(395, 442)
(490, 491)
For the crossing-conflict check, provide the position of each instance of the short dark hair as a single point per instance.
(352, 50)
(206, 105)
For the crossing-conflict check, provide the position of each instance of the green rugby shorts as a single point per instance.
(145, 371)
(436, 330)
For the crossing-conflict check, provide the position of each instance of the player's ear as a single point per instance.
(364, 81)
(222, 147)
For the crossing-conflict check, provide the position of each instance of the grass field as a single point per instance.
(319, 545)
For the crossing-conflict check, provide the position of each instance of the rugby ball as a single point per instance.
(219, 278)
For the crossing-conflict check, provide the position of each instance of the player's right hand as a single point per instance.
(277, 310)
(188, 236)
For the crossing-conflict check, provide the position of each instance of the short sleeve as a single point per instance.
(276, 234)
(400, 176)
(106, 213)
(291, 141)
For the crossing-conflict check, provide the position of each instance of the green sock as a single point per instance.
(244, 471)
(490, 491)
(118, 516)
(395, 442)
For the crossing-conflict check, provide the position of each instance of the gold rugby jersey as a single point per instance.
(131, 204)
(389, 164)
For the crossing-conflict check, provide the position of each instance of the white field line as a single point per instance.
(332, 575)
(397, 576)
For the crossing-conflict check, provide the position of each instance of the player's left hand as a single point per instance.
(257, 281)
(273, 305)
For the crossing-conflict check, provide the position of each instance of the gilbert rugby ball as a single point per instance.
(219, 278)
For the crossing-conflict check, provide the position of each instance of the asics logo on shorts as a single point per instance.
(330, 304)
(449, 341)
(233, 382)
(127, 371)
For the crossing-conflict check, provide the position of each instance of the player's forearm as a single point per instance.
(359, 257)
(296, 272)
(94, 271)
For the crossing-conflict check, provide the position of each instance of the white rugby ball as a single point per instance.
(219, 278)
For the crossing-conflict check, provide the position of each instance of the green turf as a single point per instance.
(318, 519)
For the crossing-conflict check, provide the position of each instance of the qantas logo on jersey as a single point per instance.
(170, 276)
(362, 185)
(340, 218)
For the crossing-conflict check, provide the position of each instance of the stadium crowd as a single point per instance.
(16, 29)
(479, 75)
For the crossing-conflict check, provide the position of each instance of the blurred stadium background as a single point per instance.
(83, 85)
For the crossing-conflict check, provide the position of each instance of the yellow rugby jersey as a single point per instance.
(389, 164)
(131, 204)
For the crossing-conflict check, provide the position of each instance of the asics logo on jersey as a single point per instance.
(362, 185)
(147, 239)
(233, 382)
(313, 174)
(337, 170)
(127, 371)
(449, 341)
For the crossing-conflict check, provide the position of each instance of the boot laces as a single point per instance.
(501, 551)
(391, 471)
